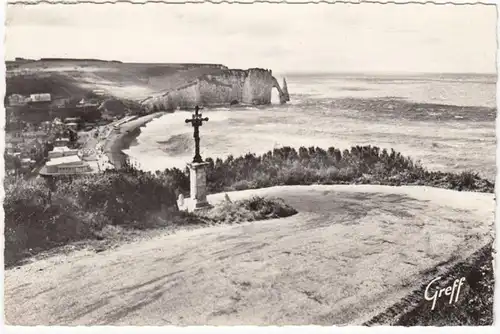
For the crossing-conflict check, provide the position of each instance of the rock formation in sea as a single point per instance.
(285, 91)
(227, 87)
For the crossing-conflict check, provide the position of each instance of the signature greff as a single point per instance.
(452, 291)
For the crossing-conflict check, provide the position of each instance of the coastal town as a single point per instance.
(40, 141)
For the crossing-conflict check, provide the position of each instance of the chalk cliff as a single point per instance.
(226, 87)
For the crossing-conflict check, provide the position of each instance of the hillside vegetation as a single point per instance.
(40, 216)
(314, 165)
(70, 78)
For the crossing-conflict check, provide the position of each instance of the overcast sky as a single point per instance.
(285, 38)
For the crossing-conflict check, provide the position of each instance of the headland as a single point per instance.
(224, 87)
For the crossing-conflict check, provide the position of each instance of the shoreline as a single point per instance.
(116, 142)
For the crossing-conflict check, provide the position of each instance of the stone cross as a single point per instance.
(196, 120)
(197, 171)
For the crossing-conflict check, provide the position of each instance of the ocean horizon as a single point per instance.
(447, 122)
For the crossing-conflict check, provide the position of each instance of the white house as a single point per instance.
(65, 165)
(61, 151)
(43, 97)
(17, 100)
(61, 142)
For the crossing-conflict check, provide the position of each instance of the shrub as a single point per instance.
(468, 179)
(40, 216)
(253, 209)
(360, 164)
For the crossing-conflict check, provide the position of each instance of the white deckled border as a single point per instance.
(436, 2)
(239, 329)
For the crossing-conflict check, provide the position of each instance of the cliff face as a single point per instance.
(248, 87)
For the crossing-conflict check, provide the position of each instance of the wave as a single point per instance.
(389, 116)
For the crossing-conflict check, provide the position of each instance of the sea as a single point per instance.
(444, 121)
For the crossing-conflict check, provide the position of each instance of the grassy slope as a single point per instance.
(314, 267)
(121, 80)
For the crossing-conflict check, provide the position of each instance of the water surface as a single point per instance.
(447, 122)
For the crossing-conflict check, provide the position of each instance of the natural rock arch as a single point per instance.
(282, 93)
(248, 87)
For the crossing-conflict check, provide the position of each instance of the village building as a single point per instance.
(57, 125)
(65, 165)
(35, 133)
(72, 126)
(85, 102)
(108, 117)
(46, 126)
(61, 142)
(72, 120)
(64, 161)
(27, 163)
(14, 137)
(83, 137)
(17, 100)
(61, 103)
(40, 101)
(61, 151)
(87, 126)
(99, 92)
(9, 148)
(41, 97)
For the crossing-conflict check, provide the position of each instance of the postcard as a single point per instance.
(249, 164)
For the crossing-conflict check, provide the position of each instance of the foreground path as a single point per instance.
(351, 252)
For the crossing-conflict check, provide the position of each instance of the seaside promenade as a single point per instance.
(114, 138)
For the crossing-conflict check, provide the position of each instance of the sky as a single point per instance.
(285, 38)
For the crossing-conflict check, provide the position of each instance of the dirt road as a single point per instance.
(351, 252)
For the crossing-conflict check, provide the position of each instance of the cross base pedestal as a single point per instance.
(193, 205)
(198, 189)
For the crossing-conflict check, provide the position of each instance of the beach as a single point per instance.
(116, 141)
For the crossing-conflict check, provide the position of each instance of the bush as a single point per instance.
(247, 210)
(313, 165)
(40, 216)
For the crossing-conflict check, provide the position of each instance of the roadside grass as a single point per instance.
(246, 210)
(474, 306)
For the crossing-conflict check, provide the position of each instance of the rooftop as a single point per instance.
(61, 149)
(43, 97)
(63, 160)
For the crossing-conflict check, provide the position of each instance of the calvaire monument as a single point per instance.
(197, 171)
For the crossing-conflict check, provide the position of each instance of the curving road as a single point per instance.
(351, 252)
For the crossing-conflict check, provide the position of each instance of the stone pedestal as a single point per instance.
(198, 188)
